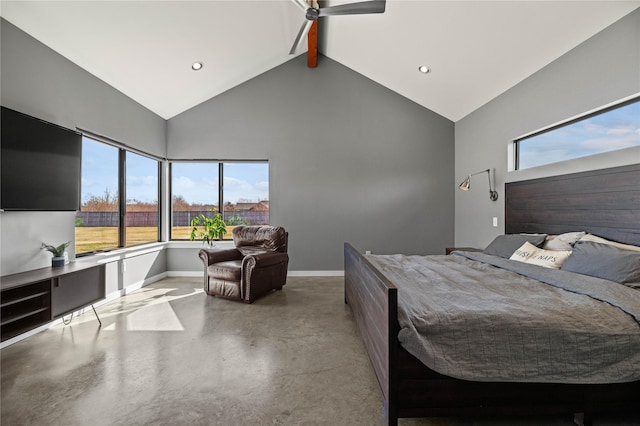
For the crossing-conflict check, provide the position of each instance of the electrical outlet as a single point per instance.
(495, 222)
(124, 266)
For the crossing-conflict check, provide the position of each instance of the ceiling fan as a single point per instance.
(312, 12)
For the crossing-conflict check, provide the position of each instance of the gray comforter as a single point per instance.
(479, 317)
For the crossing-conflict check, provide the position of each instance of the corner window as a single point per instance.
(613, 128)
(238, 190)
(105, 202)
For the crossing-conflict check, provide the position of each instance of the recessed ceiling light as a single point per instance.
(196, 66)
(424, 69)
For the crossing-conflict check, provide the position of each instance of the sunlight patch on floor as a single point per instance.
(158, 316)
(153, 312)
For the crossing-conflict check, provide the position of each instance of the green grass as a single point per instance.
(92, 238)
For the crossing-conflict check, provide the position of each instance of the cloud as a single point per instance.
(622, 130)
(236, 189)
(151, 181)
(234, 184)
(182, 182)
(619, 141)
(593, 127)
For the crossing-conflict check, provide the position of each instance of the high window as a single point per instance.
(119, 198)
(238, 190)
(613, 128)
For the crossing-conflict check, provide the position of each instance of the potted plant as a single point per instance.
(214, 228)
(57, 252)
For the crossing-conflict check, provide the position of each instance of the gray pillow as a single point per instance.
(506, 245)
(605, 261)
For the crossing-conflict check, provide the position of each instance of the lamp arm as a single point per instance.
(493, 194)
(482, 171)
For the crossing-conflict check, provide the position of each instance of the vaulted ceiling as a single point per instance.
(475, 50)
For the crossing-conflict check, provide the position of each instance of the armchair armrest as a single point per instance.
(210, 256)
(263, 260)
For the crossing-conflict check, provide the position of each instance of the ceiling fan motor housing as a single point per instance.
(312, 14)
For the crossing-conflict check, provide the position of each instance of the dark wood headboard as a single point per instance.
(603, 202)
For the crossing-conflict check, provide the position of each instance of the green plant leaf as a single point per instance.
(214, 228)
(56, 251)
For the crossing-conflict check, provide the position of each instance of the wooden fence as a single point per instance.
(181, 218)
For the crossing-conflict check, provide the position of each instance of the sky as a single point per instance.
(196, 182)
(609, 131)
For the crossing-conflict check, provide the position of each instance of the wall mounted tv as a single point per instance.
(40, 164)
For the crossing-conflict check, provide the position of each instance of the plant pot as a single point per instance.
(57, 261)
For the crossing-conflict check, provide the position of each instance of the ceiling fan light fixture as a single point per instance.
(424, 69)
(197, 66)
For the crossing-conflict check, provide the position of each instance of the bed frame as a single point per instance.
(584, 201)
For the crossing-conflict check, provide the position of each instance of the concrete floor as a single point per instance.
(170, 355)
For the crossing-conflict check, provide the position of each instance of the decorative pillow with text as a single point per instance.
(528, 253)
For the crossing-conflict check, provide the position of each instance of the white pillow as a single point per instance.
(528, 253)
(596, 239)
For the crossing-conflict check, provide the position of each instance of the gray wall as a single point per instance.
(349, 159)
(38, 81)
(601, 70)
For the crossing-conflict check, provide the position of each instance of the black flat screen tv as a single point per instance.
(40, 164)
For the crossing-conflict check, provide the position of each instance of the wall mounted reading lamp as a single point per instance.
(466, 184)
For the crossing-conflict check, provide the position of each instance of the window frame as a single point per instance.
(123, 200)
(220, 192)
(599, 111)
(122, 195)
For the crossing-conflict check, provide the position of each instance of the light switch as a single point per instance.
(495, 222)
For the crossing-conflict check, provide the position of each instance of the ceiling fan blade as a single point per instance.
(301, 4)
(376, 6)
(312, 42)
(304, 29)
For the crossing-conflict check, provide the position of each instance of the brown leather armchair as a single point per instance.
(257, 265)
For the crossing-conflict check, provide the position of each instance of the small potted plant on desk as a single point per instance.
(59, 258)
(214, 228)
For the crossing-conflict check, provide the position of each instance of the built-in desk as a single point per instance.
(33, 298)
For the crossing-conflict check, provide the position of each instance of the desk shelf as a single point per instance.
(31, 299)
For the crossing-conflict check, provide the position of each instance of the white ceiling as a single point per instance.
(475, 49)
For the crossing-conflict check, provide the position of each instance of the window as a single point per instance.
(142, 199)
(241, 188)
(98, 223)
(610, 129)
(194, 191)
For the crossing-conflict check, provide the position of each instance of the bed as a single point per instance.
(602, 202)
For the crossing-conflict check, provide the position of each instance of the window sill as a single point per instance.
(122, 253)
(197, 244)
(129, 252)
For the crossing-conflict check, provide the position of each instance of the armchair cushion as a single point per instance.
(230, 270)
(259, 239)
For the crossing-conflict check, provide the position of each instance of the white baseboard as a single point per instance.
(188, 274)
(316, 273)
